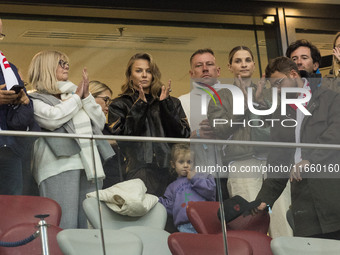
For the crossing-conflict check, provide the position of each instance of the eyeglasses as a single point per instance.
(278, 82)
(2, 36)
(63, 64)
(107, 100)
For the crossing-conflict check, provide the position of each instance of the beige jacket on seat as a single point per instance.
(127, 198)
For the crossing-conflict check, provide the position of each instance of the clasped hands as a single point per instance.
(83, 87)
(259, 89)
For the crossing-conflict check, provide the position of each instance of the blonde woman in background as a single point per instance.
(63, 167)
(102, 94)
(332, 80)
(114, 167)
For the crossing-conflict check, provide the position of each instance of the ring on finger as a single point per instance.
(170, 90)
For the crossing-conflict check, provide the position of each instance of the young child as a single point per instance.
(189, 186)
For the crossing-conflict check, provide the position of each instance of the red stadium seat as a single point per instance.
(18, 221)
(260, 243)
(252, 229)
(202, 244)
(203, 216)
(22, 209)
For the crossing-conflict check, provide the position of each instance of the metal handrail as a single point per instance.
(170, 140)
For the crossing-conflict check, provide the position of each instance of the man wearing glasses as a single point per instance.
(313, 172)
(16, 113)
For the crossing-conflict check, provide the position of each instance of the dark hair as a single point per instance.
(282, 65)
(156, 84)
(236, 49)
(201, 51)
(314, 51)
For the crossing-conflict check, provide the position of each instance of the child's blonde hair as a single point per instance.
(178, 149)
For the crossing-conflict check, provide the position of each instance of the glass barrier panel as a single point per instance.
(260, 197)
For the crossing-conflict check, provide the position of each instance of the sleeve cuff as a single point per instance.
(78, 100)
(88, 99)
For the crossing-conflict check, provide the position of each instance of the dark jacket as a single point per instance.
(129, 115)
(315, 201)
(16, 117)
(331, 82)
(238, 131)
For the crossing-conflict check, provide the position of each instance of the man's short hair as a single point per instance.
(314, 51)
(201, 51)
(282, 65)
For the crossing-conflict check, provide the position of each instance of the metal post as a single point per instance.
(220, 199)
(43, 233)
(97, 194)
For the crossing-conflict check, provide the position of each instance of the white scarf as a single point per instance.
(82, 125)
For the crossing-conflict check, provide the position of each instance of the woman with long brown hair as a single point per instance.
(145, 108)
(241, 64)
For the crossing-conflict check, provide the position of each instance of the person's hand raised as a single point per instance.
(83, 87)
(80, 89)
(165, 91)
(86, 83)
(141, 93)
(259, 90)
(242, 85)
(336, 54)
